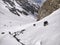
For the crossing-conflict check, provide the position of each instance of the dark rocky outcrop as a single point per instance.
(8, 1)
(26, 6)
(48, 7)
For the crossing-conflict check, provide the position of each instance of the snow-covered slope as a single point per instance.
(46, 35)
(33, 31)
(8, 19)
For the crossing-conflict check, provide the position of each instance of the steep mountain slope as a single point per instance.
(46, 32)
(8, 17)
(9, 20)
(18, 27)
(26, 7)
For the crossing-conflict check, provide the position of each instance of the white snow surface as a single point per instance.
(33, 35)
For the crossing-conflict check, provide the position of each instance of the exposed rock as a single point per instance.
(8, 2)
(34, 24)
(45, 23)
(47, 8)
(3, 33)
(25, 13)
(24, 4)
(27, 6)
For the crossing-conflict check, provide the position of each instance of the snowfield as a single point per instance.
(24, 30)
